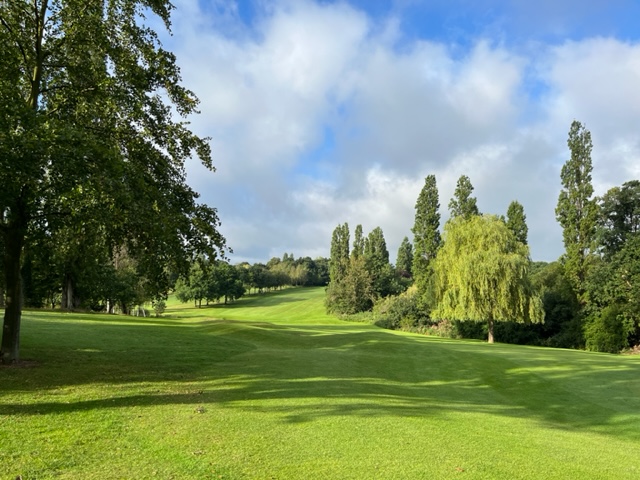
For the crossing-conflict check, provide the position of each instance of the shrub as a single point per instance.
(607, 332)
(400, 312)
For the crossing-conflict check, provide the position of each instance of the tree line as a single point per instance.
(475, 278)
(210, 281)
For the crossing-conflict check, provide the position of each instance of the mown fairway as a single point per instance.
(272, 388)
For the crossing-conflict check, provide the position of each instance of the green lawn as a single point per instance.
(272, 388)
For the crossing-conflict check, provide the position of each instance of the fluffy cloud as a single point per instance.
(319, 114)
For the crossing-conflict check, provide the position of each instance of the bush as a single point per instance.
(607, 332)
(400, 312)
(444, 328)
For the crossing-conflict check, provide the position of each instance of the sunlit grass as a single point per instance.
(257, 390)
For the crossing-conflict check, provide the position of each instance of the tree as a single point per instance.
(481, 274)
(619, 216)
(613, 285)
(354, 292)
(562, 327)
(517, 221)
(426, 232)
(404, 260)
(87, 130)
(577, 210)
(196, 286)
(339, 261)
(376, 258)
(358, 242)
(463, 204)
(227, 282)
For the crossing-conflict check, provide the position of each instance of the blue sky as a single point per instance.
(324, 112)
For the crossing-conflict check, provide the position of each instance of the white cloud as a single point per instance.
(596, 82)
(394, 115)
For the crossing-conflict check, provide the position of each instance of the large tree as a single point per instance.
(404, 259)
(577, 211)
(339, 261)
(426, 232)
(89, 100)
(463, 204)
(358, 242)
(482, 274)
(376, 257)
(517, 221)
(354, 292)
(614, 286)
(619, 216)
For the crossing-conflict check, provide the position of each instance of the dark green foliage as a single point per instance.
(562, 322)
(376, 258)
(619, 216)
(463, 204)
(615, 282)
(577, 210)
(517, 221)
(353, 292)
(90, 133)
(404, 259)
(210, 281)
(400, 312)
(339, 261)
(426, 234)
(607, 331)
(358, 242)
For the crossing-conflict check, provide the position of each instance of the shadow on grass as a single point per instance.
(329, 371)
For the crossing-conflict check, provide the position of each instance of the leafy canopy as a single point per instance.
(481, 274)
(92, 127)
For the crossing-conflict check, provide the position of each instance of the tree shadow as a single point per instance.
(354, 370)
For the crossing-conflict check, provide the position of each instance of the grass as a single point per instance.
(272, 388)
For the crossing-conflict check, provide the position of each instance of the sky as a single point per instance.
(325, 112)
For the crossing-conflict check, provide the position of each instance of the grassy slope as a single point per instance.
(292, 393)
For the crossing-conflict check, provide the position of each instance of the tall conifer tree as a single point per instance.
(426, 233)
(358, 243)
(339, 262)
(463, 204)
(577, 211)
(517, 221)
(404, 260)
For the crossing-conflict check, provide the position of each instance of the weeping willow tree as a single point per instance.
(481, 274)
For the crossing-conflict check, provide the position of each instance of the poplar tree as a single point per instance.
(426, 233)
(358, 242)
(404, 260)
(517, 221)
(350, 288)
(481, 274)
(339, 261)
(463, 204)
(577, 211)
(376, 257)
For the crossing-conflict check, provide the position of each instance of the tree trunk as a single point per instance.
(69, 298)
(490, 330)
(13, 243)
